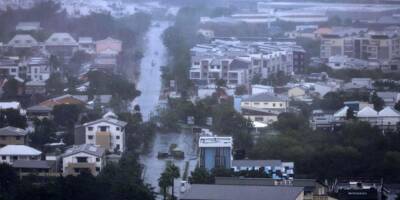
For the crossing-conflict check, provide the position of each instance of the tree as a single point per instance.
(174, 173)
(164, 182)
(200, 175)
(8, 182)
(55, 85)
(44, 132)
(350, 114)
(397, 106)
(10, 89)
(11, 117)
(241, 90)
(377, 102)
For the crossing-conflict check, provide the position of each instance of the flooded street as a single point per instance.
(150, 85)
(154, 166)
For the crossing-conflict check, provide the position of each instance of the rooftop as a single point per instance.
(84, 148)
(215, 142)
(240, 192)
(19, 150)
(264, 97)
(12, 131)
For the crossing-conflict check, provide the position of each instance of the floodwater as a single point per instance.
(155, 56)
(154, 166)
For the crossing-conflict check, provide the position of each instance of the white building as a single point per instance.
(85, 157)
(107, 132)
(263, 107)
(11, 153)
(38, 69)
(237, 62)
(258, 89)
(23, 41)
(215, 152)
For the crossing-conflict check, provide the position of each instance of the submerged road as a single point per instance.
(155, 56)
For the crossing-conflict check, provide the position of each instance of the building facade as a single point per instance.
(215, 152)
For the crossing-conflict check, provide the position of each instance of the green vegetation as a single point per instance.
(11, 117)
(167, 178)
(116, 181)
(357, 150)
(226, 121)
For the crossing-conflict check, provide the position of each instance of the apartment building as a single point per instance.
(83, 158)
(237, 62)
(107, 132)
(380, 49)
(264, 107)
(215, 152)
(11, 135)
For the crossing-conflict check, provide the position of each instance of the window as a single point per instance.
(81, 159)
(117, 128)
(103, 128)
(3, 157)
(90, 137)
(18, 137)
(258, 119)
(97, 169)
(3, 137)
(97, 159)
(257, 103)
(14, 158)
(13, 70)
(90, 128)
(273, 104)
(281, 105)
(117, 137)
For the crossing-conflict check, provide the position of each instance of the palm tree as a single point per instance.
(174, 173)
(164, 183)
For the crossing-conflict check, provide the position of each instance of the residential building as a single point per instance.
(11, 153)
(87, 45)
(83, 158)
(61, 44)
(11, 135)
(386, 119)
(258, 89)
(240, 192)
(43, 168)
(273, 168)
(297, 91)
(39, 112)
(237, 62)
(23, 41)
(377, 48)
(107, 132)
(28, 26)
(15, 105)
(266, 101)
(263, 107)
(35, 87)
(108, 45)
(9, 66)
(215, 152)
(65, 99)
(390, 98)
(38, 69)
